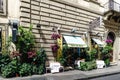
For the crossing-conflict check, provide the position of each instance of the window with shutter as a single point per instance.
(3, 7)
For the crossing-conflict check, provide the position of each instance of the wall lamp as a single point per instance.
(74, 30)
(14, 24)
(56, 29)
(38, 25)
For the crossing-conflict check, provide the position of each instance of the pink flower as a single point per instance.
(54, 47)
(108, 41)
(55, 36)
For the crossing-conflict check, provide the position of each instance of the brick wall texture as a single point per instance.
(50, 13)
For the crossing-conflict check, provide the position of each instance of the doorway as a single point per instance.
(111, 36)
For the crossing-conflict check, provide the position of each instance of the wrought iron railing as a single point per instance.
(112, 5)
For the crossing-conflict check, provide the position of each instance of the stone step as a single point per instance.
(113, 63)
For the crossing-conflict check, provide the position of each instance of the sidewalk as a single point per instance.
(73, 74)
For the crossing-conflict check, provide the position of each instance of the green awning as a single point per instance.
(99, 42)
(74, 41)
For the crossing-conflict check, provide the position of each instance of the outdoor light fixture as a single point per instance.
(14, 31)
(56, 29)
(73, 30)
(39, 25)
(53, 29)
(14, 24)
(97, 33)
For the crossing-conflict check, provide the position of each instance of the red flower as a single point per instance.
(31, 54)
(15, 54)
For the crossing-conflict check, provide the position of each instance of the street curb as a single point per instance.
(100, 75)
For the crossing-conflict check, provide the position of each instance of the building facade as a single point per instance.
(46, 15)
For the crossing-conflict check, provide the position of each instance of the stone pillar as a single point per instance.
(115, 49)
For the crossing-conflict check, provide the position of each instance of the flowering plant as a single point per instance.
(108, 41)
(15, 54)
(31, 54)
(107, 52)
(54, 47)
(55, 36)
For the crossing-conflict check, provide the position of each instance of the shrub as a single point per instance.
(40, 59)
(85, 66)
(41, 69)
(4, 60)
(25, 69)
(25, 61)
(25, 42)
(106, 54)
(34, 69)
(10, 69)
(92, 55)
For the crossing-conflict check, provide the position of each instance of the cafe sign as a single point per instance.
(95, 23)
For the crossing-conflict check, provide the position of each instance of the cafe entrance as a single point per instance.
(74, 48)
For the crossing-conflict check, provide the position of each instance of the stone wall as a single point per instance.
(57, 13)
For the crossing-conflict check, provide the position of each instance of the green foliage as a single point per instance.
(25, 69)
(34, 69)
(10, 69)
(92, 55)
(106, 54)
(107, 61)
(65, 49)
(85, 66)
(20, 62)
(63, 58)
(40, 57)
(6, 51)
(25, 40)
(40, 60)
(41, 69)
(38, 69)
(4, 60)
(7, 71)
(106, 50)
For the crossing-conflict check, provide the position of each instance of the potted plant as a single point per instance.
(107, 52)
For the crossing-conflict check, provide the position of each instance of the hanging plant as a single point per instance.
(55, 36)
(54, 48)
(109, 42)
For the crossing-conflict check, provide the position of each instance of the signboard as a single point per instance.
(100, 63)
(95, 23)
(54, 67)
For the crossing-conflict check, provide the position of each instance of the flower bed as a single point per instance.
(25, 61)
